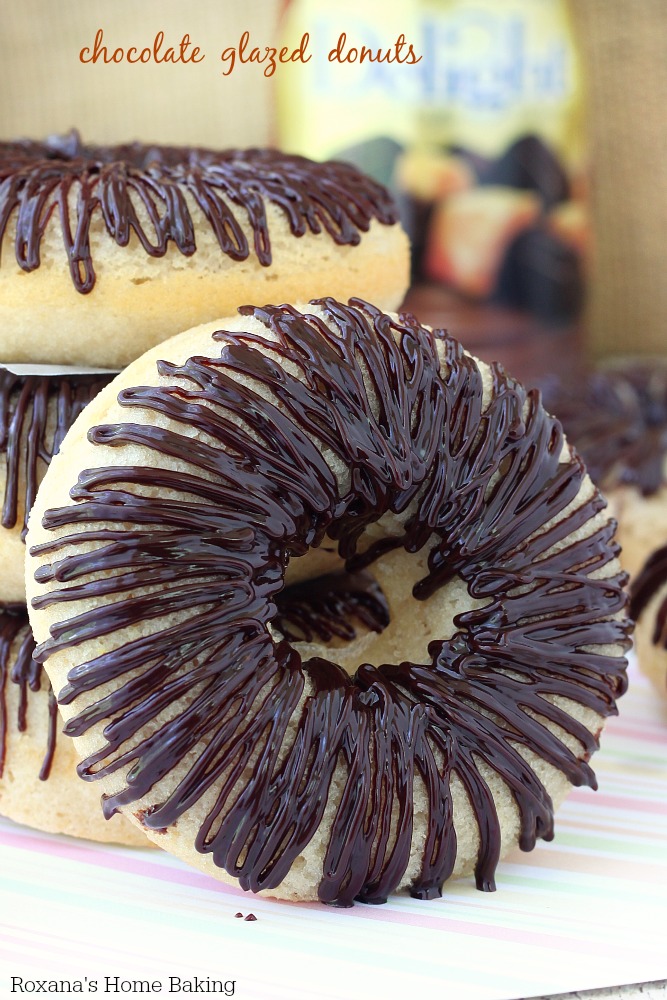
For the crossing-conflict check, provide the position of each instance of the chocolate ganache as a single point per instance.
(231, 187)
(36, 411)
(644, 588)
(617, 419)
(28, 675)
(327, 606)
(474, 474)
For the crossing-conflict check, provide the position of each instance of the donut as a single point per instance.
(286, 445)
(648, 606)
(616, 416)
(38, 783)
(106, 250)
(35, 413)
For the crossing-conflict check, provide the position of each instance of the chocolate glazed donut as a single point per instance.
(28, 676)
(36, 411)
(645, 587)
(117, 248)
(161, 584)
(648, 606)
(38, 781)
(37, 179)
(27, 441)
(616, 416)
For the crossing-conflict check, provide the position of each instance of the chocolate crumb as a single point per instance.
(141, 815)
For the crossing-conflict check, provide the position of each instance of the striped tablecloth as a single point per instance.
(587, 910)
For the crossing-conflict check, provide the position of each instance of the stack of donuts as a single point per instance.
(330, 608)
(105, 251)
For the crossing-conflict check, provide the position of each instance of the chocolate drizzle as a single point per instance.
(321, 609)
(617, 419)
(36, 411)
(476, 477)
(28, 675)
(76, 182)
(644, 588)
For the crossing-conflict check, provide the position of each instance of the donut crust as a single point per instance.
(61, 803)
(138, 301)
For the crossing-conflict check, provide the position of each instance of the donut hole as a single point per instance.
(402, 633)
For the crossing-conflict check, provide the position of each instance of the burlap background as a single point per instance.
(624, 45)
(45, 89)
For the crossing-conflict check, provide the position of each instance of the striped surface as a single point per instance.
(587, 910)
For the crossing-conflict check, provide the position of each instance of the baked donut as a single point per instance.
(38, 782)
(252, 454)
(616, 417)
(106, 250)
(648, 606)
(35, 413)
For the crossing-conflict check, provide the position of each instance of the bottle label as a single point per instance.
(480, 136)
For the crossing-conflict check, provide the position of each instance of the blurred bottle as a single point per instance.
(482, 140)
